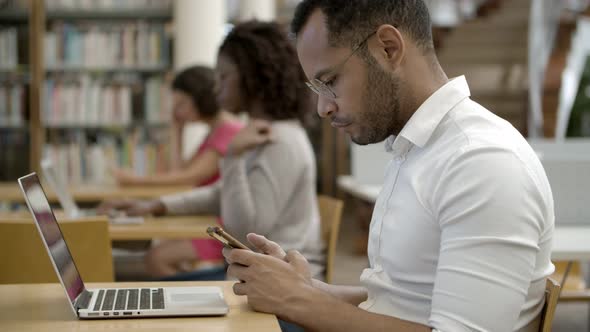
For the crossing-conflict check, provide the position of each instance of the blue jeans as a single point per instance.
(290, 327)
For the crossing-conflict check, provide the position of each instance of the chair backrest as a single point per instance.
(551, 297)
(25, 259)
(330, 216)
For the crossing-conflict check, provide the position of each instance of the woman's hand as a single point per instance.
(257, 132)
(125, 176)
(132, 207)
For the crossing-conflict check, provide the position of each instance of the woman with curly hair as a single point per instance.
(269, 171)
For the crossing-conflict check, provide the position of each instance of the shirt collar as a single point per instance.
(428, 116)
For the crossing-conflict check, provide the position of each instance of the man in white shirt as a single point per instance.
(461, 233)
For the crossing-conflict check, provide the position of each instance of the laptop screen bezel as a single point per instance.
(23, 182)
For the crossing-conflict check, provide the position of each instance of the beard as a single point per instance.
(381, 104)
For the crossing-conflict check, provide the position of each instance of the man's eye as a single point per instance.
(331, 81)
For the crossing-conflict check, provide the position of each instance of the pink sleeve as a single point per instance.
(220, 139)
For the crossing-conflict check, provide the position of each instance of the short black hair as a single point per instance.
(269, 69)
(350, 21)
(198, 82)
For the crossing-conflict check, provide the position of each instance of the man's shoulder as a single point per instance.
(470, 126)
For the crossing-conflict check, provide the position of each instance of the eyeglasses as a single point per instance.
(323, 88)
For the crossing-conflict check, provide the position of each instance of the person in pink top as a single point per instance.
(193, 101)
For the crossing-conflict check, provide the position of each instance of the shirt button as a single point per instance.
(399, 159)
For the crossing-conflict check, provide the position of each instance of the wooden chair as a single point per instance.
(551, 297)
(25, 259)
(330, 216)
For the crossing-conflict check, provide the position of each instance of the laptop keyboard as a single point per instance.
(129, 299)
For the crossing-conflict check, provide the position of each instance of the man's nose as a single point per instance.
(326, 107)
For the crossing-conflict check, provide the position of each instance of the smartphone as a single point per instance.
(222, 236)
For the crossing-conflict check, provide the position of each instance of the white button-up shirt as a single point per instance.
(461, 233)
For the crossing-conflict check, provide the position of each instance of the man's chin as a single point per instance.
(360, 140)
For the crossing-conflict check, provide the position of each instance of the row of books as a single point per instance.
(157, 101)
(14, 156)
(14, 4)
(86, 102)
(92, 45)
(99, 102)
(8, 48)
(12, 105)
(108, 4)
(80, 161)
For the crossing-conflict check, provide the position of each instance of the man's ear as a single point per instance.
(388, 47)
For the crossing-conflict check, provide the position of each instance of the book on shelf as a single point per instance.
(108, 4)
(157, 101)
(14, 156)
(14, 4)
(12, 105)
(99, 101)
(86, 101)
(8, 48)
(80, 161)
(98, 46)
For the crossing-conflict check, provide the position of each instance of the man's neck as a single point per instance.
(427, 78)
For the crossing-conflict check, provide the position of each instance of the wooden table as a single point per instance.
(10, 191)
(165, 227)
(571, 243)
(43, 307)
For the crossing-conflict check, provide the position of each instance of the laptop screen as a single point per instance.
(52, 235)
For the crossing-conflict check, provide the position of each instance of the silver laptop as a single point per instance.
(70, 207)
(112, 302)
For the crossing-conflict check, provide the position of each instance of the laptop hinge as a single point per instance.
(83, 300)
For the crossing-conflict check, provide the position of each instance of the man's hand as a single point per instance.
(266, 246)
(271, 278)
(132, 207)
(256, 133)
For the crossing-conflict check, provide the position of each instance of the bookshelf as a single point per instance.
(91, 80)
(15, 87)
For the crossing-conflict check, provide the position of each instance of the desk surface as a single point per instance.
(43, 307)
(571, 243)
(10, 191)
(165, 227)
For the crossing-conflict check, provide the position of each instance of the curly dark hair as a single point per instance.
(198, 82)
(350, 21)
(269, 69)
